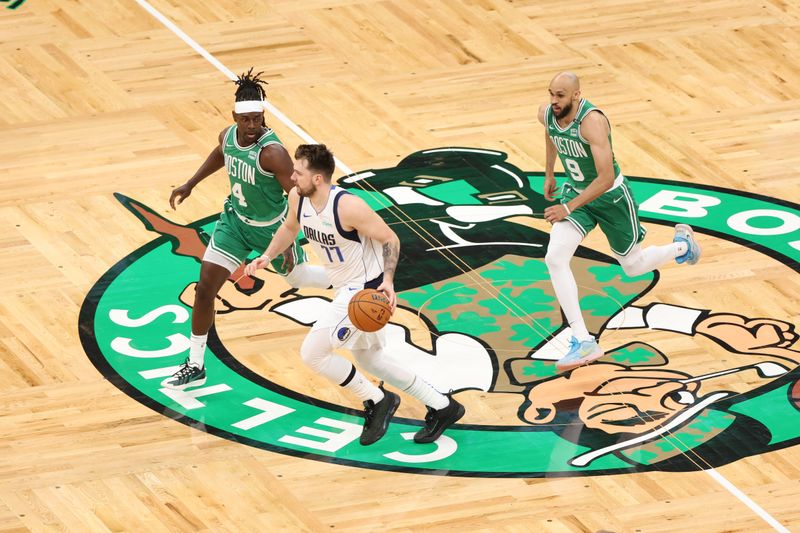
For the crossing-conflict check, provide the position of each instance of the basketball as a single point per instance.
(369, 310)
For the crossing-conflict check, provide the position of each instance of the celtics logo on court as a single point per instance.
(477, 312)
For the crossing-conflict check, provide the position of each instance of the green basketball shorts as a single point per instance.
(234, 240)
(615, 211)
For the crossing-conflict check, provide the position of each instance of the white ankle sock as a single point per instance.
(363, 388)
(197, 349)
(641, 261)
(424, 392)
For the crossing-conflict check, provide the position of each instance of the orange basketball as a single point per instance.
(369, 310)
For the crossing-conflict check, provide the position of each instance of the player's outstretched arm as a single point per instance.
(213, 162)
(282, 239)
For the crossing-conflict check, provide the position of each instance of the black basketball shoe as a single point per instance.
(436, 421)
(186, 376)
(377, 416)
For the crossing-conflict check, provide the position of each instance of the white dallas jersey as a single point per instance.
(349, 258)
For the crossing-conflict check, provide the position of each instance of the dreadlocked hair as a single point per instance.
(251, 87)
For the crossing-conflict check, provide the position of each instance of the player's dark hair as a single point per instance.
(251, 87)
(319, 158)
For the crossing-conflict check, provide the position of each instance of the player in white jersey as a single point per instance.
(349, 258)
(359, 250)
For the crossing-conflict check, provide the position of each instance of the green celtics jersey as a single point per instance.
(255, 193)
(574, 150)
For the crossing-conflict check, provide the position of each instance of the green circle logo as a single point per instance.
(473, 276)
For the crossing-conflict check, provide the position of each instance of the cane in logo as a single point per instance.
(474, 279)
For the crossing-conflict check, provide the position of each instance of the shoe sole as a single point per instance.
(580, 362)
(434, 437)
(196, 383)
(389, 415)
(688, 229)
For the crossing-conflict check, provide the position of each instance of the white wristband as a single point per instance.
(566, 207)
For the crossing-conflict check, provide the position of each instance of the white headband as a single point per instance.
(249, 106)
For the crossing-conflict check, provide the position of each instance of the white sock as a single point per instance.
(378, 363)
(362, 387)
(197, 349)
(424, 392)
(564, 240)
(639, 261)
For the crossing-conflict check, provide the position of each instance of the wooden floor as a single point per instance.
(102, 97)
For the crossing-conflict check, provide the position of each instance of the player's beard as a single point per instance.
(564, 111)
(307, 193)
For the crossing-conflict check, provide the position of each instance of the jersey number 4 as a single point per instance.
(236, 190)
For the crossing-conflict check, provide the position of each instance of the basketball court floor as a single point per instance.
(690, 422)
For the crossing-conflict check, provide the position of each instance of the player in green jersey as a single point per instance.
(260, 172)
(596, 193)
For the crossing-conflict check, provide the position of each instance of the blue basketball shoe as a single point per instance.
(684, 233)
(580, 353)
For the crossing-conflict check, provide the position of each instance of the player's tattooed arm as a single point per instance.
(391, 255)
(354, 213)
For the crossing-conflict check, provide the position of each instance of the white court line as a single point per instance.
(231, 76)
(730, 487)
